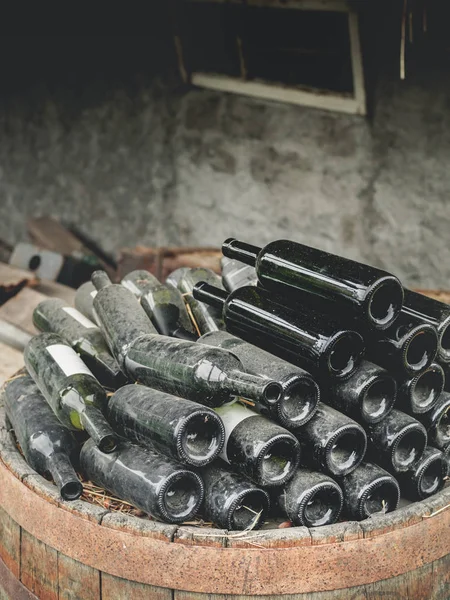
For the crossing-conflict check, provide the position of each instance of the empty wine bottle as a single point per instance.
(120, 316)
(71, 390)
(84, 300)
(163, 304)
(310, 499)
(369, 395)
(49, 447)
(428, 310)
(207, 318)
(406, 348)
(419, 394)
(437, 422)
(283, 266)
(236, 274)
(397, 442)
(185, 430)
(301, 393)
(446, 452)
(257, 447)
(427, 477)
(332, 442)
(150, 481)
(231, 501)
(307, 339)
(210, 376)
(369, 490)
(55, 316)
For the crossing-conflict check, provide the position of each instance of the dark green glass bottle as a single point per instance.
(427, 477)
(55, 316)
(301, 393)
(437, 422)
(236, 274)
(307, 339)
(284, 266)
(84, 300)
(207, 318)
(421, 393)
(187, 431)
(163, 304)
(69, 387)
(49, 447)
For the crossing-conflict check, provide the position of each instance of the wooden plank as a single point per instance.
(12, 361)
(77, 581)
(12, 280)
(413, 585)
(39, 570)
(50, 234)
(19, 309)
(11, 588)
(53, 289)
(10, 543)
(115, 588)
(441, 578)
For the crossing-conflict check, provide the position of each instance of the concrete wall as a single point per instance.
(151, 163)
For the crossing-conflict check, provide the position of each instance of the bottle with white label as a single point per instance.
(71, 390)
(55, 316)
(163, 304)
(84, 300)
(257, 447)
(48, 446)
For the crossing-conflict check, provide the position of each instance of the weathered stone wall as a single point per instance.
(144, 161)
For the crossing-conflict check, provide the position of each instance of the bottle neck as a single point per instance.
(254, 387)
(246, 253)
(64, 476)
(210, 295)
(100, 280)
(98, 429)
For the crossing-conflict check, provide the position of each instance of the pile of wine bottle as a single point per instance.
(301, 385)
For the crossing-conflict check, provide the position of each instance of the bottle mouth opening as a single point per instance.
(107, 444)
(250, 510)
(322, 506)
(202, 438)
(421, 349)
(431, 478)
(427, 389)
(378, 399)
(408, 449)
(279, 460)
(383, 497)
(444, 342)
(385, 303)
(71, 490)
(443, 429)
(273, 392)
(182, 496)
(344, 354)
(346, 451)
(299, 402)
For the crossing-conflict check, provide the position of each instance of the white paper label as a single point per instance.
(130, 285)
(75, 314)
(93, 293)
(68, 360)
(232, 415)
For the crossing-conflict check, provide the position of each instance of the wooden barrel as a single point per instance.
(53, 549)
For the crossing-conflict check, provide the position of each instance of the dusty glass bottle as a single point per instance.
(163, 304)
(182, 429)
(332, 442)
(369, 395)
(305, 338)
(427, 477)
(258, 448)
(236, 274)
(397, 442)
(55, 316)
(71, 390)
(231, 501)
(84, 300)
(310, 499)
(404, 347)
(207, 318)
(150, 481)
(437, 422)
(282, 266)
(419, 394)
(301, 393)
(369, 490)
(49, 447)
(428, 310)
